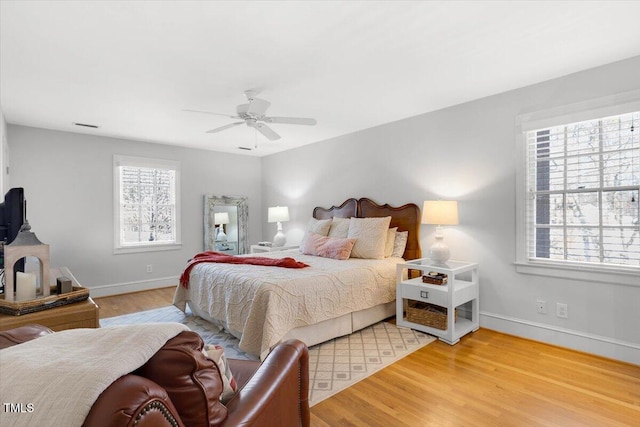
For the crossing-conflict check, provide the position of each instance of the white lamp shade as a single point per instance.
(221, 218)
(440, 212)
(278, 214)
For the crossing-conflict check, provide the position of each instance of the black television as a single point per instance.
(12, 215)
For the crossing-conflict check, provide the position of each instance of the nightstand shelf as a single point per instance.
(460, 293)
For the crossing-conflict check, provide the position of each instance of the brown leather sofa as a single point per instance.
(179, 386)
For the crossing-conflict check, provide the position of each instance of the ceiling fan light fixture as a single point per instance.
(242, 109)
(253, 115)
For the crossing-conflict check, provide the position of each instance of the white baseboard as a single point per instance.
(125, 288)
(589, 343)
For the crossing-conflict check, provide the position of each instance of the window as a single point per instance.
(581, 201)
(583, 184)
(146, 201)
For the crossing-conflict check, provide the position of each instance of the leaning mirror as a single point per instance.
(225, 224)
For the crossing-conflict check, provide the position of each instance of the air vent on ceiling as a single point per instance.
(86, 125)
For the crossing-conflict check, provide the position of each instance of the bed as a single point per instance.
(329, 298)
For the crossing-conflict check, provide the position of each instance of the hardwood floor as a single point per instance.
(134, 302)
(488, 379)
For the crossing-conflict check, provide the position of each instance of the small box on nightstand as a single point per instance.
(63, 285)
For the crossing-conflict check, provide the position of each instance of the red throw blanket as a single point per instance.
(211, 256)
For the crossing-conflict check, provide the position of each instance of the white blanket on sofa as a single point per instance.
(55, 379)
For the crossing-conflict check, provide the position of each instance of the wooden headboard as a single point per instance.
(405, 217)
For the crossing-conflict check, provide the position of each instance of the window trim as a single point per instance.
(600, 107)
(120, 160)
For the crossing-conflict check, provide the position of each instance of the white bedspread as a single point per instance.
(262, 303)
(55, 379)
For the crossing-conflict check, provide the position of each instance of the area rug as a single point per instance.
(333, 365)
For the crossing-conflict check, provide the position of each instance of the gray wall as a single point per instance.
(468, 153)
(68, 182)
(4, 155)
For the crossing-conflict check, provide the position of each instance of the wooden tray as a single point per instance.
(16, 308)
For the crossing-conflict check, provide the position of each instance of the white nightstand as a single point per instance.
(255, 249)
(461, 292)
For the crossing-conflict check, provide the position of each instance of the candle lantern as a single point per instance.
(26, 244)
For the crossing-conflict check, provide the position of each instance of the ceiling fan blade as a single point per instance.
(290, 120)
(209, 112)
(265, 130)
(221, 128)
(258, 106)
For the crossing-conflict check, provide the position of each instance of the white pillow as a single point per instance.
(370, 235)
(339, 228)
(400, 244)
(319, 226)
(391, 240)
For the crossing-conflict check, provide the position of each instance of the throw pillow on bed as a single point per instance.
(339, 228)
(319, 226)
(327, 247)
(391, 240)
(400, 244)
(370, 235)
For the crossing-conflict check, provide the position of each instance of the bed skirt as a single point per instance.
(327, 329)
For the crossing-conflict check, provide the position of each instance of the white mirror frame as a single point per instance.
(243, 219)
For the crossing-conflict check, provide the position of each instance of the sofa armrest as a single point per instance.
(133, 400)
(22, 334)
(278, 392)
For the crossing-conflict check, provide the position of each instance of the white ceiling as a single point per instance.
(131, 67)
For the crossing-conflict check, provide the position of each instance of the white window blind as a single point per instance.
(583, 181)
(146, 199)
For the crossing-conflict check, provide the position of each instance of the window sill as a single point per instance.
(617, 276)
(146, 248)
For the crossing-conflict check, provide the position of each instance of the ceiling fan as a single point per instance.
(253, 115)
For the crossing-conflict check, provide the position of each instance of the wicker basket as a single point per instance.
(16, 308)
(427, 314)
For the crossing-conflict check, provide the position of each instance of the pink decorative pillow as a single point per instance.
(327, 247)
(318, 226)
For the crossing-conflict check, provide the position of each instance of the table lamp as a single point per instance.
(278, 214)
(439, 213)
(221, 218)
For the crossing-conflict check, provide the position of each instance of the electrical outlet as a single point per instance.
(541, 307)
(149, 268)
(562, 310)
